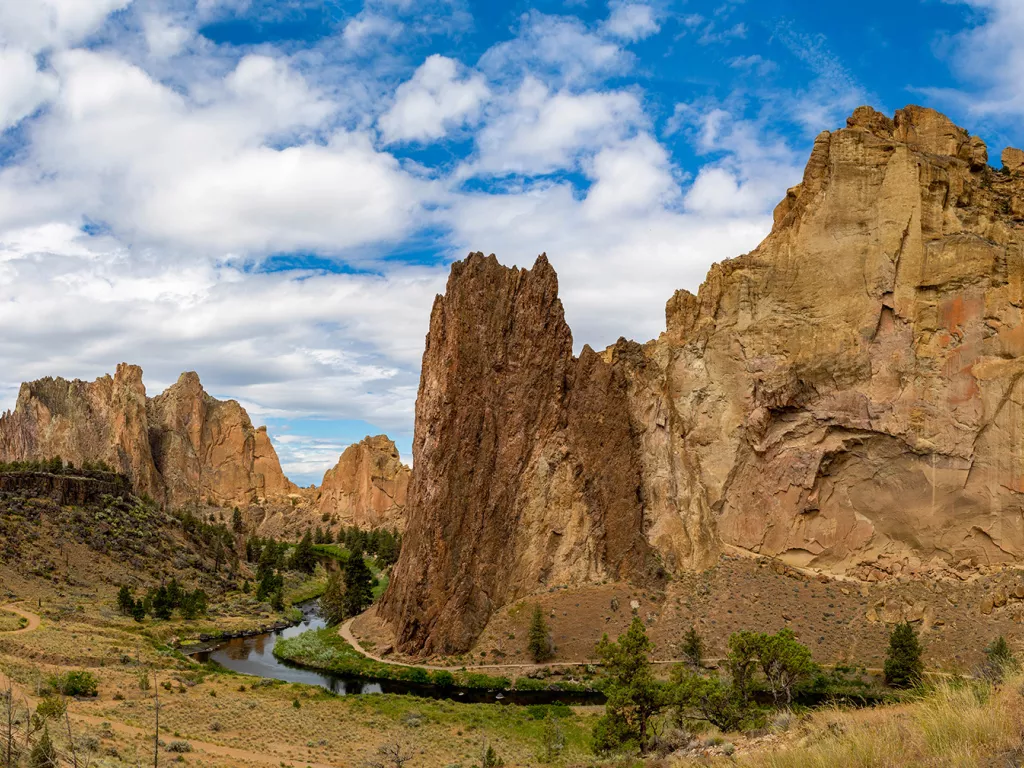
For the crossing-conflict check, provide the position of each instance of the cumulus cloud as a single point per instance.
(632, 21)
(23, 88)
(989, 57)
(538, 131)
(560, 49)
(37, 25)
(438, 98)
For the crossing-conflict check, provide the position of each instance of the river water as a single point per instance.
(255, 656)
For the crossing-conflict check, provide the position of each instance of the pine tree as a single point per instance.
(332, 602)
(358, 585)
(237, 524)
(634, 696)
(539, 642)
(693, 648)
(903, 665)
(163, 607)
(304, 557)
(125, 601)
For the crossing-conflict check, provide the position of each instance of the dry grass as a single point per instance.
(966, 724)
(10, 621)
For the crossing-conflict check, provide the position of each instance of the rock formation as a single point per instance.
(179, 447)
(367, 487)
(525, 467)
(847, 396)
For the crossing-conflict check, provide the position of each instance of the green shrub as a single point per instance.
(74, 683)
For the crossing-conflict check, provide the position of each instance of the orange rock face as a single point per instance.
(847, 396)
(367, 487)
(179, 447)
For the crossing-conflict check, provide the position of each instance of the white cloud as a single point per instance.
(208, 176)
(990, 58)
(560, 49)
(632, 21)
(164, 37)
(40, 24)
(436, 100)
(368, 27)
(538, 131)
(752, 174)
(23, 88)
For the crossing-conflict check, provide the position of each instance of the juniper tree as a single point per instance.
(903, 665)
(539, 639)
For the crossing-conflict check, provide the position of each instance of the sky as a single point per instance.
(271, 192)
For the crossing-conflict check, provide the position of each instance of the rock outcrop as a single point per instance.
(847, 396)
(525, 467)
(182, 446)
(367, 487)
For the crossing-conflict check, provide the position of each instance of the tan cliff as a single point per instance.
(368, 486)
(848, 397)
(180, 447)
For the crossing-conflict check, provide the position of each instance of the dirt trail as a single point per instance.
(32, 619)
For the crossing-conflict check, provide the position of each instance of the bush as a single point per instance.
(74, 683)
(443, 678)
(179, 747)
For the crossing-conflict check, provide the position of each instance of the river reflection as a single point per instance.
(255, 656)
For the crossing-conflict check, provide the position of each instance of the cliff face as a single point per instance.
(367, 487)
(847, 397)
(179, 447)
(525, 470)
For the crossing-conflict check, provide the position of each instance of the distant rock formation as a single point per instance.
(368, 486)
(180, 447)
(848, 397)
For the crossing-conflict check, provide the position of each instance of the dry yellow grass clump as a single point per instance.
(967, 724)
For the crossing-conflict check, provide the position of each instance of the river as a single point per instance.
(255, 656)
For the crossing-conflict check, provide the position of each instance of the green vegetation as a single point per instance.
(903, 665)
(161, 602)
(539, 642)
(73, 683)
(634, 696)
(757, 660)
(693, 648)
(325, 649)
(999, 660)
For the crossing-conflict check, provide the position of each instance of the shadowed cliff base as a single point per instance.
(843, 399)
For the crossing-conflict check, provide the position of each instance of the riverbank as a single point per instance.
(324, 649)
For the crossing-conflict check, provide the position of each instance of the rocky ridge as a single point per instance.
(845, 398)
(182, 446)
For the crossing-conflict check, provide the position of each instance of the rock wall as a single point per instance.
(180, 447)
(367, 487)
(847, 397)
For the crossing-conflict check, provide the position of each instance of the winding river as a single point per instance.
(254, 655)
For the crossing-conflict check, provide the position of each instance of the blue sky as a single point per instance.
(270, 193)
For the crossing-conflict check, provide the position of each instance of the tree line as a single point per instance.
(756, 662)
(161, 602)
